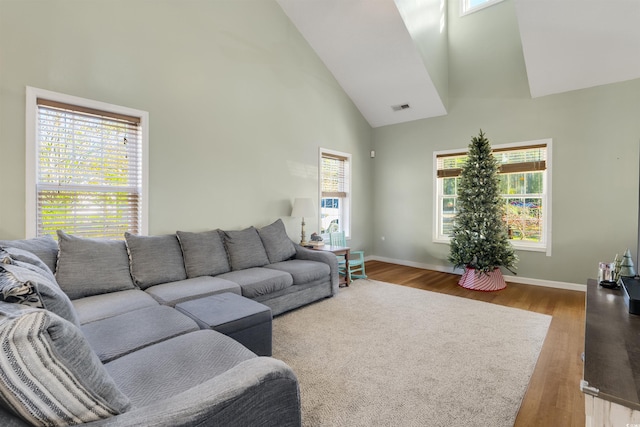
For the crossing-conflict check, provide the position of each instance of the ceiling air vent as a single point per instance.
(400, 107)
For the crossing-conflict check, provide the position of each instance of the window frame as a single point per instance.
(466, 9)
(31, 158)
(545, 246)
(346, 203)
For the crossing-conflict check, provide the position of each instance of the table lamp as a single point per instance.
(303, 207)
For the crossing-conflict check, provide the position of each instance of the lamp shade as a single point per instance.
(303, 208)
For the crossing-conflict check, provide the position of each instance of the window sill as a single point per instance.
(516, 245)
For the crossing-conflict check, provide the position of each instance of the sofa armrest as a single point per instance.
(258, 391)
(320, 256)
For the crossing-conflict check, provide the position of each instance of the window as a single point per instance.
(525, 185)
(335, 192)
(470, 6)
(86, 164)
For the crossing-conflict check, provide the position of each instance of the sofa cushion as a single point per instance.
(277, 244)
(153, 325)
(26, 259)
(245, 249)
(155, 259)
(259, 281)
(92, 266)
(303, 271)
(28, 286)
(204, 253)
(45, 247)
(171, 367)
(50, 375)
(98, 307)
(185, 290)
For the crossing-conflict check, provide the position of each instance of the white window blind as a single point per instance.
(88, 171)
(334, 179)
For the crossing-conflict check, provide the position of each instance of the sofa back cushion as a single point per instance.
(45, 247)
(278, 245)
(50, 374)
(155, 259)
(204, 253)
(27, 284)
(89, 267)
(245, 249)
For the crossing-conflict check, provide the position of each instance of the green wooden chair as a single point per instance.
(356, 258)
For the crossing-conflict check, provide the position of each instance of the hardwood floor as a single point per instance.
(553, 397)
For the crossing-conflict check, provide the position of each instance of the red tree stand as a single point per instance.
(488, 282)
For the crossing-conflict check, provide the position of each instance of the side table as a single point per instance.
(339, 251)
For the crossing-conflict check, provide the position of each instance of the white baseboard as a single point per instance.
(512, 279)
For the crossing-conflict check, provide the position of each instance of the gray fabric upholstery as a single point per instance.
(98, 307)
(296, 296)
(302, 271)
(119, 335)
(65, 384)
(32, 287)
(204, 253)
(244, 320)
(155, 259)
(174, 366)
(325, 257)
(257, 392)
(245, 249)
(276, 242)
(259, 281)
(197, 287)
(9, 255)
(45, 247)
(92, 266)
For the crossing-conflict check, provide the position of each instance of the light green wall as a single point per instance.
(238, 104)
(595, 134)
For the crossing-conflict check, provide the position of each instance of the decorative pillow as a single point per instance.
(89, 267)
(278, 245)
(21, 283)
(50, 374)
(27, 259)
(155, 259)
(204, 253)
(45, 248)
(245, 249)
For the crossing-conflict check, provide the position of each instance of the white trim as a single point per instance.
(464, 11)
(513, 279)
(32, 94)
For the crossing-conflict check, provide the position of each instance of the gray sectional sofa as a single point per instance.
(90, 335)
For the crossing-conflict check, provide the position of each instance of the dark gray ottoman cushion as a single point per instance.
(244, 320)
(259, 281)
(120, 335)
(185, 290)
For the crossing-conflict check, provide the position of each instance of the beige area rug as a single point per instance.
(379, 354)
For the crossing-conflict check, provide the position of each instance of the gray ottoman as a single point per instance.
(240, 318)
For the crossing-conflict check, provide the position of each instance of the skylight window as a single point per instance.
(470, 6)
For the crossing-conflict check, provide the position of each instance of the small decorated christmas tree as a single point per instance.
(626, 266)
(479, 241)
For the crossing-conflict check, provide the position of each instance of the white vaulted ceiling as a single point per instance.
(567, 45)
